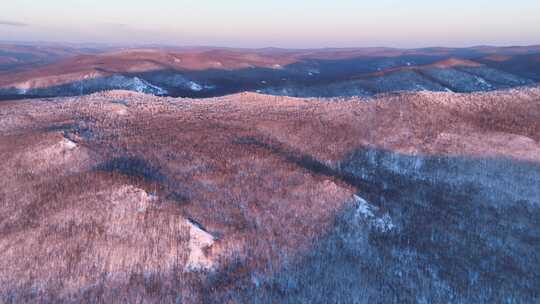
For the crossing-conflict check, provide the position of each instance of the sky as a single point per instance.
(276, 23)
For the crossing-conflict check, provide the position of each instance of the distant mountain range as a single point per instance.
(50, 71)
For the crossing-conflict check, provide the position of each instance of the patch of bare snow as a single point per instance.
(22, 91)
(199, 242)
(195, 86)
(142, 86)
(482, 81)
(363, 207)
(60, 148)
(67, 144)
(58, 153)
(129, 200)
(367, 212)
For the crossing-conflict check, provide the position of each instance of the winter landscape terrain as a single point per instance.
(269, 152)
(417, 196)
(51, 71)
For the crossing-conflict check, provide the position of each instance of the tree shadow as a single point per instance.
(133, 167)
(463, 230)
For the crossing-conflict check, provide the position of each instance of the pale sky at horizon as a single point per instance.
(279, 23)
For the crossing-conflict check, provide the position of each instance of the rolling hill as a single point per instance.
(210, 72)
(248, 198)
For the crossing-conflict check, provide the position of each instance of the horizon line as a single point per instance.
(164, 45)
